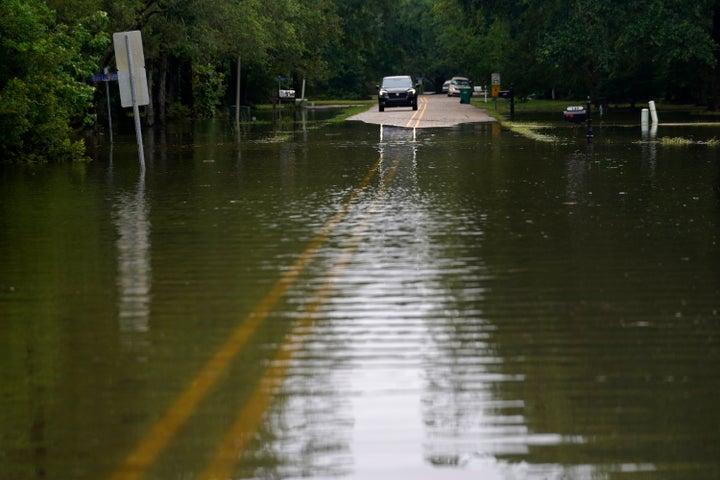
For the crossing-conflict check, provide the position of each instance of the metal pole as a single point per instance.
(136, 110)
(107, 96)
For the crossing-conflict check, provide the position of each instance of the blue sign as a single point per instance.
(104, 77)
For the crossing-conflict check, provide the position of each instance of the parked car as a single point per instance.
(456, 83)
(446, 86)
(397, 91)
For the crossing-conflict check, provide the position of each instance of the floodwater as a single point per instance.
(351, 301)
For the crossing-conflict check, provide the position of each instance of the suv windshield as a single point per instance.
(397, 82)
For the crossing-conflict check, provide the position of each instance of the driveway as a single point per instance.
(433, 111)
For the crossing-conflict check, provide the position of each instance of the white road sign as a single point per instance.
(123, 57)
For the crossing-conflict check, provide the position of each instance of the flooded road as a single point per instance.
(364, 302)
(433, 111)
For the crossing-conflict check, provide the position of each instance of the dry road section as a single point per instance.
(433, 111)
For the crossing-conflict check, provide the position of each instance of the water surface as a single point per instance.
(351, 301)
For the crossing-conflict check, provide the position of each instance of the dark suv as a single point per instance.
(397, 91)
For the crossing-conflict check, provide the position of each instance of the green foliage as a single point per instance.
(614, 51)
(624, 50)
(531, 130)
(178, 111)
(675, 141)
(43, 71)
(208, 88)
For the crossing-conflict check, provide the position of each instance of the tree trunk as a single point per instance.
(150, 108)
(714, 93)
(162, 89)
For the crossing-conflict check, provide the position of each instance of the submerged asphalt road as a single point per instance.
(433, 111)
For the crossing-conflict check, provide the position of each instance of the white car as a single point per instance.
(456, 83)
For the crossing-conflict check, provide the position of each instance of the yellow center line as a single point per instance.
(238, 437)
(145, 453)
(419, 113)
(412, 117)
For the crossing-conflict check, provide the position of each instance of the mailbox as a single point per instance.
(505, 94)
(286, 95)
(575, 114)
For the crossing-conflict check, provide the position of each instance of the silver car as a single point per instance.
(456, 83)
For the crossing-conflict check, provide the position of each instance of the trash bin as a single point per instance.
(465, 94)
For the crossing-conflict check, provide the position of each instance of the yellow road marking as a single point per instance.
(418, 113)
(143, 456)
(247, 422)
(412, 117)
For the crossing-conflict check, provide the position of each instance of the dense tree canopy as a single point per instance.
(43, 67)
(613, 51)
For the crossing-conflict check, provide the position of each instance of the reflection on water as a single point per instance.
(355, 302)
(401, 356)
(649, 144)
(134, 266)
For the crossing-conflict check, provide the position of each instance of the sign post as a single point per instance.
(106, 78)
(132, 78)
(107, 96)
(495, 84)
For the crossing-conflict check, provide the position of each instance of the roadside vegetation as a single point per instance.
(683, 142)
(533, 131)
(539, 105)
(615, 52)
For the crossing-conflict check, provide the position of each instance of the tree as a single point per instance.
(358, 56)
(44, 68)
(611, 50)
(594, 42)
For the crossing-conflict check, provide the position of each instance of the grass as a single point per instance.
(555, 106)
(349, 107)
(349, 103)
(682, 142)
(530, 130)
(689, 114)
(317, 103)
(527, 106)
(675, 141)
(352, 109)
